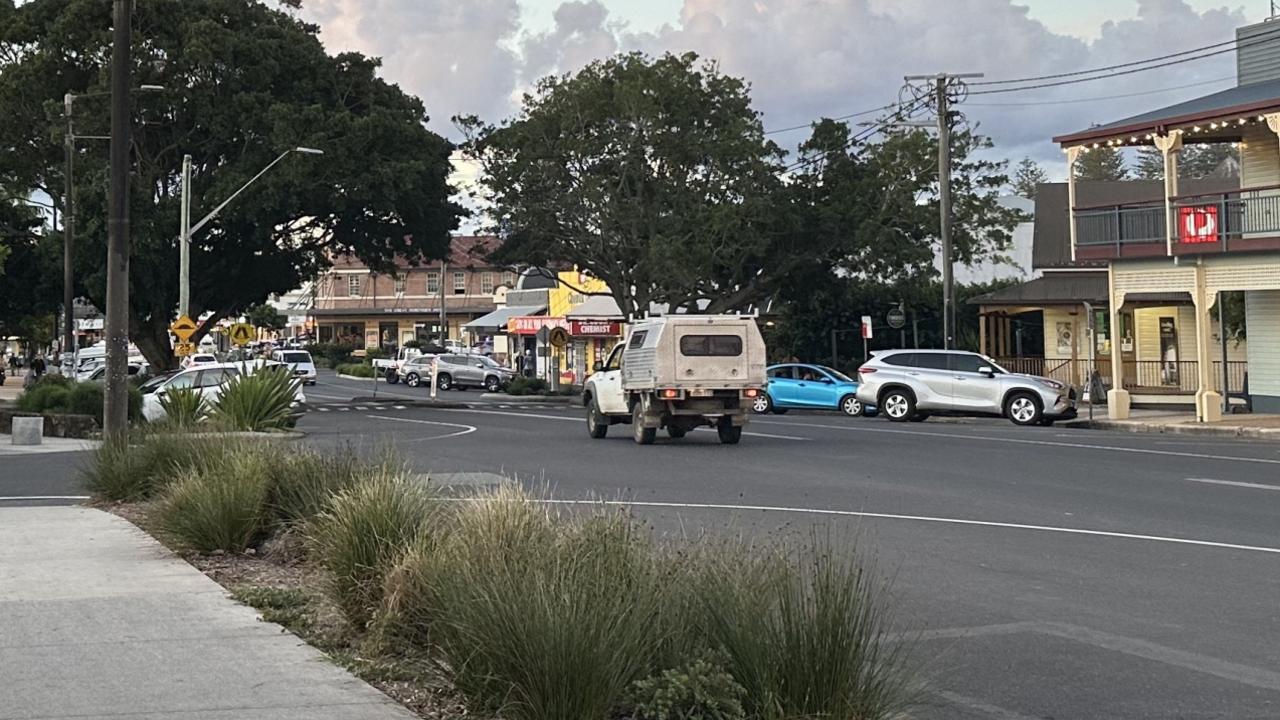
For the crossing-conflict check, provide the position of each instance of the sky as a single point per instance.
(806, 59)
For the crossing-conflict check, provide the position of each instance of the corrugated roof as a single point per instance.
(1245, 99)
(1068, 288)
(602, 307)
(498, 318)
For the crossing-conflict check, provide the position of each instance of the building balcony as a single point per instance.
(1241, 220)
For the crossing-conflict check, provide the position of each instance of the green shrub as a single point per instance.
(363, 534)
(537, 617)
(184, 407)
(303, 482)
(360, 370)
(806, 634)
(700, 689)
(44, 397)
(334, 353)
(220, 504)
(257, 402)
(520, 385)
(85, 398)
(138, 470)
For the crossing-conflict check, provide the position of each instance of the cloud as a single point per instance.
(804, 59)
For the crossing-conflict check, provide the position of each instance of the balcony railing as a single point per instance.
(1141, 376)
(1211, 221)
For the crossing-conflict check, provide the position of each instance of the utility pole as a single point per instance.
(942, 84)
(444, 314)
(68, 231)
(116, 397)
(184, 241)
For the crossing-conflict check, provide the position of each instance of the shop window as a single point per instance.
(353, 286)
(433, 283)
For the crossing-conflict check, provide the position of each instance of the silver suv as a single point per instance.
(457, 371)
(912, 384)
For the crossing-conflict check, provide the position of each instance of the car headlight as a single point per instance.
(1051, 383)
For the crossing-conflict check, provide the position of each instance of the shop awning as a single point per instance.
(597, 307)
(497, 320)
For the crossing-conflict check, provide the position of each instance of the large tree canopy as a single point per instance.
(243, 83)
(657, 176)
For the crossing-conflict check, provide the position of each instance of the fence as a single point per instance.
(1150, 376)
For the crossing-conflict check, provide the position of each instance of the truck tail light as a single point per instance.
(750, 392)
(669, 394)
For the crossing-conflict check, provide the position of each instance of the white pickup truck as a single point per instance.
(679, 372)
(389, 368)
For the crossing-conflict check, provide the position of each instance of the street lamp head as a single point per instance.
(309, 151)
(151, 88)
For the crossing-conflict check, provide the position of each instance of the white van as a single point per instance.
(304, 368)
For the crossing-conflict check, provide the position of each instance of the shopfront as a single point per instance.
(592, 342)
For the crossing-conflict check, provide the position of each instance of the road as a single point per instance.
(1053, 573)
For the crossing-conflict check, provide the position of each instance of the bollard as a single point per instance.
(28, 430)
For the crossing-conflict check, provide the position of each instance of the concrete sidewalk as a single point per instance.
(97, 620)
(1244, 425)
(47, 445)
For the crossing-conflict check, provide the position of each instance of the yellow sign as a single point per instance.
(559, 337)
(183, 349)
(242, 333)
(184, 327)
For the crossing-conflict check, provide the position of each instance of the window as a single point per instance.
(637, 339)
(433, 283)
(182, 381)
(353, 285)
(509, 279)
(459, 283)
(398, 285)
(710, 346)
(486, 283)
(901, 359)
(931, 361)
(964, 362)
(615, 358)
(782, 373)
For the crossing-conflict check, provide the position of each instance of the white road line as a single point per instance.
(344, 408)
(4, 498)
(324, 409)
(922, 518)
(763, 435)
(989, 438)
(1234, 483)
(313, 393)
(466, 429)
(512, 414)
(401, 407)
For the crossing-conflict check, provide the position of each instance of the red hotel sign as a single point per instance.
(595, 328)
(1198, 224)
(531, 324)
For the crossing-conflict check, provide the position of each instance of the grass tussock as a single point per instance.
(219, 504)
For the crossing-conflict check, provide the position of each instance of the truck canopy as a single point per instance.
(694, 351)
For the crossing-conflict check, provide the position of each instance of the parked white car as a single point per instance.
(200, 359)
(304, 368)
(209, 381)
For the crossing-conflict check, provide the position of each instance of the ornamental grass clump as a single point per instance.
(219, 503)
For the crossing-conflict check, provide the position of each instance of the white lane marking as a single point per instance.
(922, 518)
(466, 429)
(313, 393)
(572, 419)
(344, 408)
(763, 435)
(1234, 483)
(43, 497)
(324, 409)
(1083, 446)
(401, 407)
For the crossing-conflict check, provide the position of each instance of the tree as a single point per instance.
(265, 316)
(244, 82)
(1101, 163)
(1027, 176)
(1150, 164)
(1210, 160)
(655, 175)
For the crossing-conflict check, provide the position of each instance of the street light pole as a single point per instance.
(116, 396)
(187, 230)
(68, 213)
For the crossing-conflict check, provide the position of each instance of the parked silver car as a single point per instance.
(457, 371)
(909, 385)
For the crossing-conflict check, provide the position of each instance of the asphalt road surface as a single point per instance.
(1052, 573)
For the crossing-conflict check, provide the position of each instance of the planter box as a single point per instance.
(79, 427)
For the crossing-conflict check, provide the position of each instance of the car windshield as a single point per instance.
(836, 374)
(150, 385)
(295, 357)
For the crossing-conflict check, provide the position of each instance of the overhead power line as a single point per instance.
(842, 117)
(1100, 97)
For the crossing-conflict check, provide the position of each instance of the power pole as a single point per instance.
(942, 86)
(184, 241)
(444, 313)
(68, 230)
(116, 401)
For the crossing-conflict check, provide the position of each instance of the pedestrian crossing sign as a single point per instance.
(241, 333)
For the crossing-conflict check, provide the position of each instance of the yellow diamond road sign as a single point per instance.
(242, 333)
(184, 328)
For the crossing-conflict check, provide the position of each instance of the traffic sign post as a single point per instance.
(866, 335)
(241, 334)
(897, 319)
(184, 349)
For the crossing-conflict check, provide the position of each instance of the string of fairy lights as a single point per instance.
(1189, 132)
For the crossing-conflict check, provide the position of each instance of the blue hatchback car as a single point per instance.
(813, 387)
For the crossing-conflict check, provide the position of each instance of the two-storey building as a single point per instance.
(1198, 245)
(379, 310)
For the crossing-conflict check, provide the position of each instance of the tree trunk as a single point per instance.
(152, 338)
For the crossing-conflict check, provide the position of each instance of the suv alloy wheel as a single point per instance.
(898, 405)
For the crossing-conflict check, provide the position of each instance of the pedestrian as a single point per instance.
(38, 367)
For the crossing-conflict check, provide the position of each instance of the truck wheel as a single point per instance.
(729, 433)
(412, 380)
(642, 434)
(392, 377)
(676, 432)
(597, 424)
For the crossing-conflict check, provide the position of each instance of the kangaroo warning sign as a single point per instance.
(241, 333)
